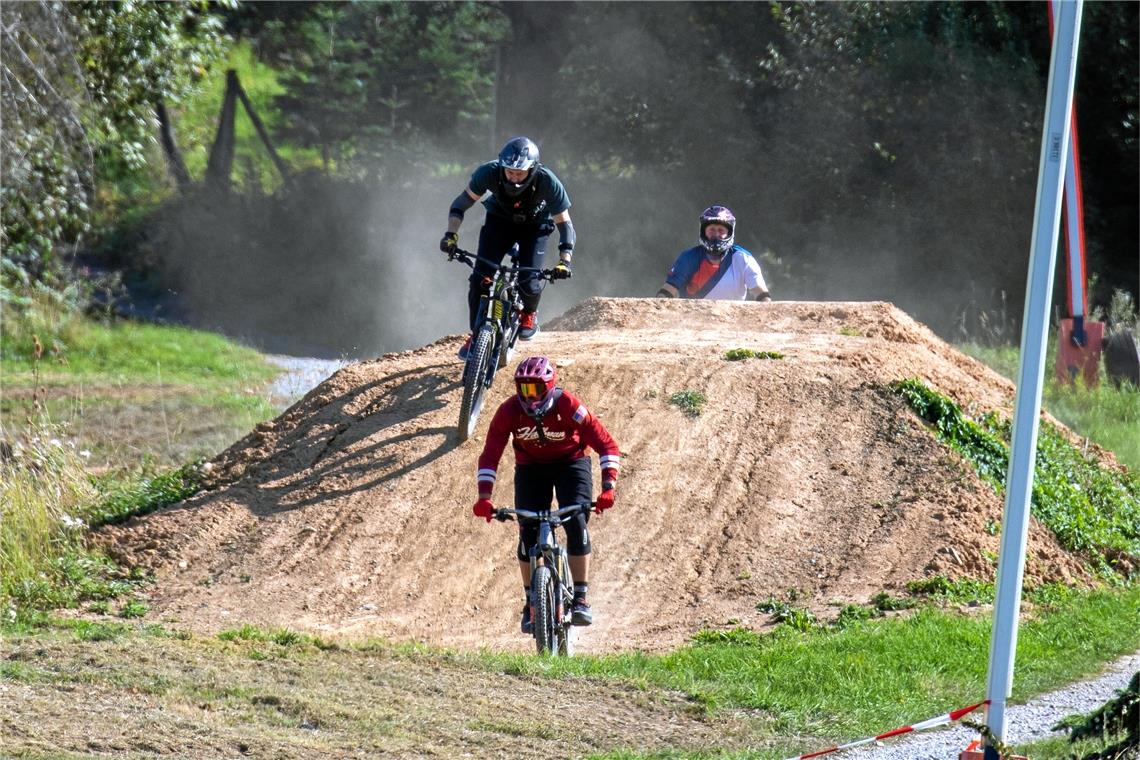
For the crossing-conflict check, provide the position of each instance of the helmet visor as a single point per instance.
(531, 391)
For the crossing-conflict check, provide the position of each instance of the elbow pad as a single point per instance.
(566, 233)
(460, 205)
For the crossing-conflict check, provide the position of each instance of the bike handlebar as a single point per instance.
(507, 513)
(469, 259)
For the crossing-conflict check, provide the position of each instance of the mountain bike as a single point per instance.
(551, 583)
(496, 331)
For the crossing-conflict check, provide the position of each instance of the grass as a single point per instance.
(739, 354)
(692, 403)
(85, 351)
(100, 419)
(777, 694)
(129, 392)
(1106, 415)
(1093, 510)
(873, 675)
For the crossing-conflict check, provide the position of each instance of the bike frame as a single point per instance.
(554, 635)
(496, 330)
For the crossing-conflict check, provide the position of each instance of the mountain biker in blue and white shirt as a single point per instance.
(526, 203)
(716, 267)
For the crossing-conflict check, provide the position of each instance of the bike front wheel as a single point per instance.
(474, 381)
(564, 601)
(542, 610)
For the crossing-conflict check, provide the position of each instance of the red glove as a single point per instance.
(485, 509)
(604, 502)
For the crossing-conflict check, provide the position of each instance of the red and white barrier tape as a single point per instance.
(949, 717)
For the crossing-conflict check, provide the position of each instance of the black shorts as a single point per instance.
(573, 483)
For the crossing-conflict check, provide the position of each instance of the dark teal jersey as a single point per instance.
(540, 202)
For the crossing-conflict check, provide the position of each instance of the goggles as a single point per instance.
(530, 391)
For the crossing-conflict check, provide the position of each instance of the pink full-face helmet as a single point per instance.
(535, 380)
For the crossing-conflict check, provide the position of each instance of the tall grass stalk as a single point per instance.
(43, 491)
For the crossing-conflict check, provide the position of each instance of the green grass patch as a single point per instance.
(849, 681)
(956, 590)
(1092, 509)
(1106, 415)
(740, 354)
(143, 493)
(135, 353)
(281, 636)
(692, 403)
(796, 618)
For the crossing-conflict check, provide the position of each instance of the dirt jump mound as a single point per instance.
(799, 472)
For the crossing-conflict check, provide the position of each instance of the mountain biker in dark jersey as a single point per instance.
(551, 429)
(716, 267)
(526, 202)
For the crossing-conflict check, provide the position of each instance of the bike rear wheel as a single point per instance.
(510, 336)
(542, 610)
(474, 381)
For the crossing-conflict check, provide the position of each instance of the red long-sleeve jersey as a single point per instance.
(569, 429)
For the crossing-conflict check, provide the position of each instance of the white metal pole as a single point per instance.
(1034, 324)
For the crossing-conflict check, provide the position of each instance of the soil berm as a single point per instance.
(349, 514)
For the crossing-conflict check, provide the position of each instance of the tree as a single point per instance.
(373, 84)
(80, 82)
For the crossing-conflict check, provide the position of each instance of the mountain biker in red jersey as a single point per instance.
(551, 429)
(526, 203)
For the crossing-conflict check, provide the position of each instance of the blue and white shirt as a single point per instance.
(695, 276)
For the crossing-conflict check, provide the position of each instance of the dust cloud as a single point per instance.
(336, 268)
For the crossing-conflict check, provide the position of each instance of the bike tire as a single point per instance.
(567, 635)
(542, 610)
(510, 337)
(474, 382)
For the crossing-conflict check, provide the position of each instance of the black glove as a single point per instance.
(449, 242)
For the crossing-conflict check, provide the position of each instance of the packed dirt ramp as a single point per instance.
(349, 515)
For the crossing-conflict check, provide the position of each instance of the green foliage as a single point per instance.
(739, 354)
(196, 122)
(133, 609)
(124, 352)
(796, 618)
(1106, 415)
(740, 637)
(143, 493)
(1114, 726)
(47, 502)
(884, 602)
(958, 590)
(281, 636)
(1091, 509)
(78, 102)
(690, 402)
(852, 614)
(369, 81)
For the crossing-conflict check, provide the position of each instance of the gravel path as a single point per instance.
(1024, 723)
(301, 375)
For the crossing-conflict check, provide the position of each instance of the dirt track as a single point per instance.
(350, 513)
